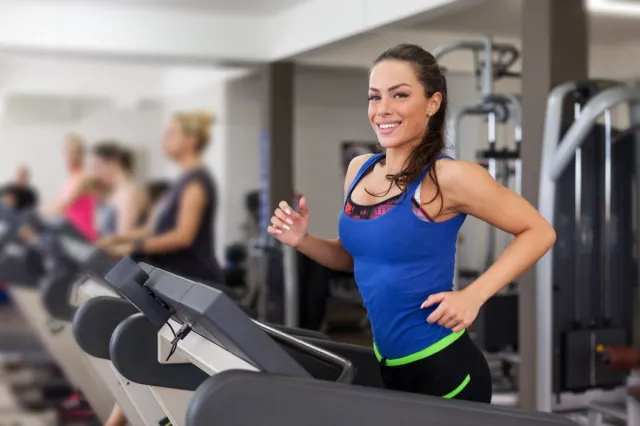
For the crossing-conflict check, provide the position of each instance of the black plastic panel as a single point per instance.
(496, 327)
(18, 266)
(134, 353)
(363, 359)
(95, 321)
(249, 398)
(129, 279)
(56, 289)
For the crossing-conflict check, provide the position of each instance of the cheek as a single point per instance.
(371, 111)
(415, 117)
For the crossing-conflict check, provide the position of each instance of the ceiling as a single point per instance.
(503, 18)
(248, 7)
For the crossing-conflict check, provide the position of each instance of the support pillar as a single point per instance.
(555, 50)
(276, 169)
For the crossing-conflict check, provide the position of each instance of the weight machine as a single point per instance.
(586, 286)
(492, 61)
(496, 328)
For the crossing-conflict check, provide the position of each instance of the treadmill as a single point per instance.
(11, 410)
(241, 369)
(76, 265)
(100, 310)
(39, 280)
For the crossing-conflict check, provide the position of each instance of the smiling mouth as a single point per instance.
(388, 128)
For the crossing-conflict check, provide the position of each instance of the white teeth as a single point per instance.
(389, 126)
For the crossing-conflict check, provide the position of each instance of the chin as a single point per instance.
(395, 142)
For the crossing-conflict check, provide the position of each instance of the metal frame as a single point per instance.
(555, 158)
(487, 106)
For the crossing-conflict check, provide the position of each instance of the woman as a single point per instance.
(181, 238)
(126, 201)
(76, 201)
(398, 230)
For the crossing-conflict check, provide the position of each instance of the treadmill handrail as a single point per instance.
(575, 136)
(348, 373)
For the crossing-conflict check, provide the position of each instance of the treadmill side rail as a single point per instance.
(281, 400)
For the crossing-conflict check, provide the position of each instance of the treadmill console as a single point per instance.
(204, 310)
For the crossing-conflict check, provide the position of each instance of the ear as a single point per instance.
(434, 103)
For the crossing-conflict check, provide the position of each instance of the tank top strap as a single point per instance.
(374, 159)
(413, 186)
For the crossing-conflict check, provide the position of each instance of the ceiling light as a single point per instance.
(614, 7)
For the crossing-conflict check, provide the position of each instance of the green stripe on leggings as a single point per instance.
(428, 351)
(457, 390)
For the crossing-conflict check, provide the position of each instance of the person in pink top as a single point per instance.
(77, 200)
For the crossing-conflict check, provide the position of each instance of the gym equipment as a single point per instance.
(88, 266)
(585, 285)
(496, 327)
(495, 108)
(38, 288)
(245, 372)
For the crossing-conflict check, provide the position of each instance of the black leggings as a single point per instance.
(444, 373)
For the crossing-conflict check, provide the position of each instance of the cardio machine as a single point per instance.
(244, 372)
(586, 286)
(62, 297)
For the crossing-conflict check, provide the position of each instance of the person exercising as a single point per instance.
(126, 201)
(181, 237)
(398, 228)
(76, 200)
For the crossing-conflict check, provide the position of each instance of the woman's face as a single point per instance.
(73, 153)
(175, 142)
(105, 171)
(398, 108)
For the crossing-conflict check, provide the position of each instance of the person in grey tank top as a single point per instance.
(179, 235)
(181, 238)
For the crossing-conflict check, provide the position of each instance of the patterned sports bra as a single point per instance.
(358, 211)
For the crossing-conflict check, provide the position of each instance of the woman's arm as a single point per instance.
(130, 209)
(468, 188)
(190, 215)
(330, 253)
(83, 186)
(125, 238)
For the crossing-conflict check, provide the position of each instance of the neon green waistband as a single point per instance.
(424, 353)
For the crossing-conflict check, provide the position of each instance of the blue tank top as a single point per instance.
(399, 260)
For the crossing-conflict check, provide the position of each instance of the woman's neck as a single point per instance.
(396, 159)
(121, 178)
(190, 163)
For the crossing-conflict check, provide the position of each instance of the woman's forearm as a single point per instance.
(523, 252)
(127, 237)
(328, 253)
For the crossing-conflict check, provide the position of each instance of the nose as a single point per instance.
(384, 108)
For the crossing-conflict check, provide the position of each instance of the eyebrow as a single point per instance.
(373, 89)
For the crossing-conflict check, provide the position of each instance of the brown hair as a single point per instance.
(113, 151)
(433, 143)
(196, 124)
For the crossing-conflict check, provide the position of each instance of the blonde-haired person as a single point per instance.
(181, 238)
(76, 200)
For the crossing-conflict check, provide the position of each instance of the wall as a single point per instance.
(38, 142)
